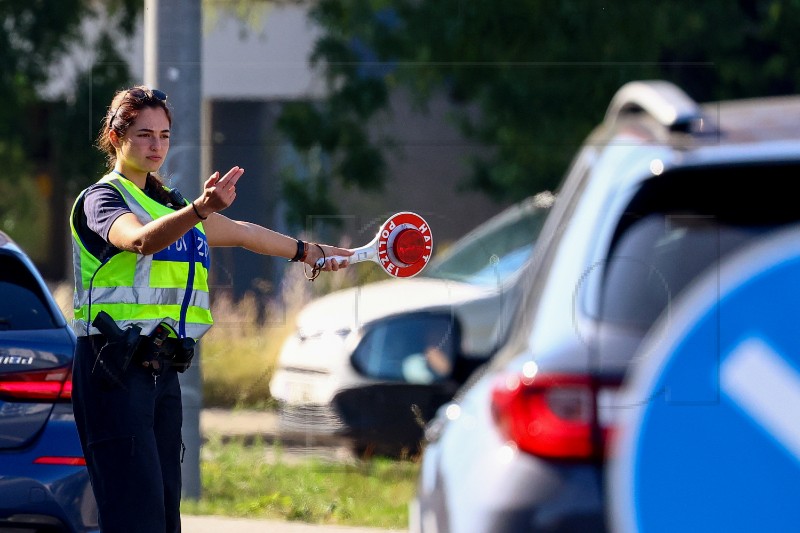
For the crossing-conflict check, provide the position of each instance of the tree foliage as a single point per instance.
(527, 78)
(36, 35)
(46, 138)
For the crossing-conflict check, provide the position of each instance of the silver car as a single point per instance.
(661, 191)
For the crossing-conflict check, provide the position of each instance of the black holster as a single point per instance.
(116, 355)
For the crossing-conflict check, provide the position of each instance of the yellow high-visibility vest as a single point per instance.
(170, 286)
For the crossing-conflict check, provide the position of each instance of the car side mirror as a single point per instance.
(418, 348)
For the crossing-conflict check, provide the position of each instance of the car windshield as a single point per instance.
(492, 253)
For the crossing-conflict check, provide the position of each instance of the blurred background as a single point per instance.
(342, 112)
(345, 112)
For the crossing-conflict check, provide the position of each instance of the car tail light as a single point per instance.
(48, 385)
(553, 416)
(58, 460)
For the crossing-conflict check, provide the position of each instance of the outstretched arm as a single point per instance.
(222, 231)
(127, 233)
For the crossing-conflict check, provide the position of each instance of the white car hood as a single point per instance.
(478, 308)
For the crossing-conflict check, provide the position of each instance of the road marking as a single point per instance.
(767, 388)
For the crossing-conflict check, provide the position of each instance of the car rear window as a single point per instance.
(680, 225)
(23, 304)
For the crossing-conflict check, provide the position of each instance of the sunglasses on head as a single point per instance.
(141, 95)
(147, 94)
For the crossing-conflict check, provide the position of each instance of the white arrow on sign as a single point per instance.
(766, 387)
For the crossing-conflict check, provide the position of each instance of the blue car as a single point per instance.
(44, 484)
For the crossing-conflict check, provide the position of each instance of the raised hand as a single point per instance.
(218, 192)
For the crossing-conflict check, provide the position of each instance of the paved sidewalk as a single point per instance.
(237, 422)
(255, 423)
(216, 524)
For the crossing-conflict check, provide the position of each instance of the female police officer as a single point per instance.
(141, 261)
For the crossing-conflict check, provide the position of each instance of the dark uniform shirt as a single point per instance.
(102, 206)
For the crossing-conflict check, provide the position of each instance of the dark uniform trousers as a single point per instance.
(131, 438)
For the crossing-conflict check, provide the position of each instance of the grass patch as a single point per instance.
(243, 481)
(239, 353)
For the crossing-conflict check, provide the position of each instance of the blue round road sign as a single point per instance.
(709, 432)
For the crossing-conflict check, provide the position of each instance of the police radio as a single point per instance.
(402, 246)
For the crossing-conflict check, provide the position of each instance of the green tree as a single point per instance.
(45, 141)
(528, 79)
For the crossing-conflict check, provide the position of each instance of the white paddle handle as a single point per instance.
(387, 237)
(367, 252)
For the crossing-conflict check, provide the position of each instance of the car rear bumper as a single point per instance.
(54, 497)
(63, 502)
(503, 491)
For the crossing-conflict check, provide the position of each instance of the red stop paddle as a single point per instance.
(402, 246)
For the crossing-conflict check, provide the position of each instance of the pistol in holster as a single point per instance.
(167, 352)
(116, 355)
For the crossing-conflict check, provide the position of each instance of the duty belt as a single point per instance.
(155, 355)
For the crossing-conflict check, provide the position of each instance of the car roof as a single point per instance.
(659, 111)
(777, 118)
(7, 243)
